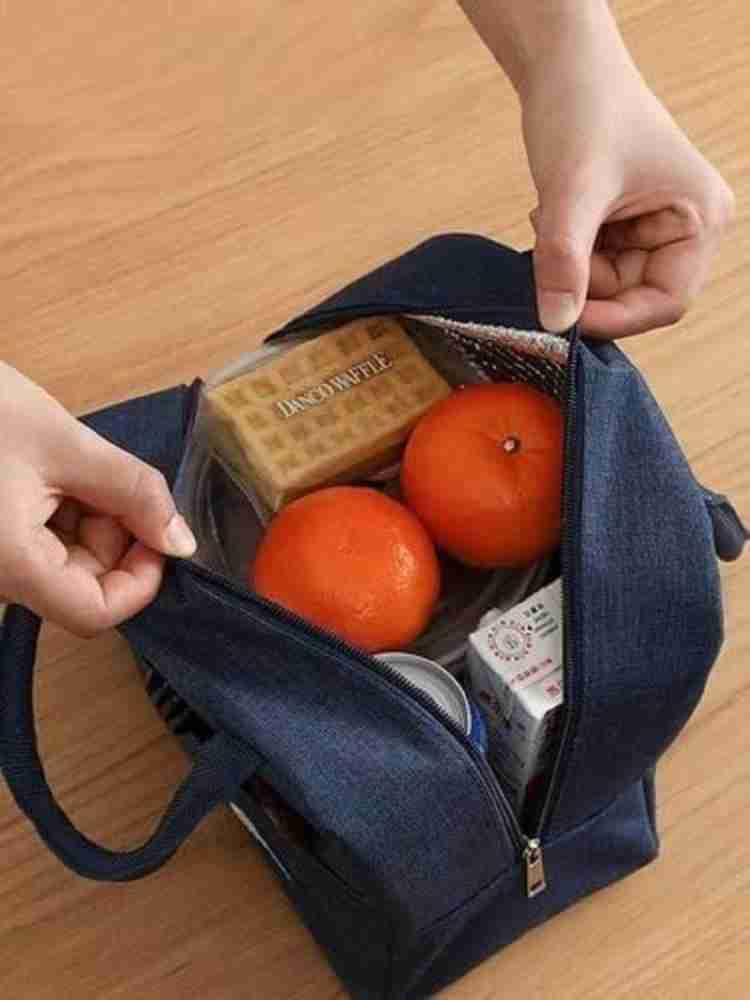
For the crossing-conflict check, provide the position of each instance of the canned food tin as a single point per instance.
(478, 731)
(444, 690)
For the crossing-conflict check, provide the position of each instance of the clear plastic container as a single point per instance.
(229, 518)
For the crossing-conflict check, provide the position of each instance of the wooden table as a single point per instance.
(176, 180)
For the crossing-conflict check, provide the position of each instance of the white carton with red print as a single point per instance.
(515, 668)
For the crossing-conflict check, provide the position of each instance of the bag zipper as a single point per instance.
(531, 342)
(248, 602)
(569, 562)
(543, 344)
(530, 848)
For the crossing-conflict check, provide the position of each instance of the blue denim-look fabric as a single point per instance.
(356, 756)
(607, 847)
(428, 881)
(152, 427)
(375, 962)
(468, 277)
(648, 610)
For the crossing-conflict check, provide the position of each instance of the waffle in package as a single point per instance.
(335, 408)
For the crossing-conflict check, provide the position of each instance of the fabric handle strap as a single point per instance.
(222, 765)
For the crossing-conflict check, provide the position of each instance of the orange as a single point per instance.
(483, 471)
(352, 561)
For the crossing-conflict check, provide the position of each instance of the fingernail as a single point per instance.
(557, 311)
(180, 538)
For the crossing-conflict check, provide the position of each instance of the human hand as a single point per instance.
(630, 214)
(83, 522)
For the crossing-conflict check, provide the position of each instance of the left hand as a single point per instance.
(85, 525)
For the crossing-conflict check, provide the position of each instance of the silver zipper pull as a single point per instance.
(535, 879)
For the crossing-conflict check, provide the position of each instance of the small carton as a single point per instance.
(515, 668)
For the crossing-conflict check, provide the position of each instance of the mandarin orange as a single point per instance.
(483, 472)
(354, 562)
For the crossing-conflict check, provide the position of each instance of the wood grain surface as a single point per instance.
(176, 180)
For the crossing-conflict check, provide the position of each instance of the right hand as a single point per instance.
(630, 214)
(85, 525)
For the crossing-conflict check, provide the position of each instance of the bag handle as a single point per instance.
(222, 765)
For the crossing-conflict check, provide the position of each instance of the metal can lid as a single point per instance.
(435, 681)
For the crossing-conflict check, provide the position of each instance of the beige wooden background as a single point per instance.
(178, 178)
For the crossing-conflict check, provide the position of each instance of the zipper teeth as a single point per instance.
(569, 510)
(501, 806)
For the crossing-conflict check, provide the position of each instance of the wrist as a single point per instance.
(534, 40)
(580, 36)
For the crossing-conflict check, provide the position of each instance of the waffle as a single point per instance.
(333, 409)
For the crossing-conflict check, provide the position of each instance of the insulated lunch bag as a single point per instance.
(411, 867)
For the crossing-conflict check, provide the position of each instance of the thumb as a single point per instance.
(566, 225)
(114, 482)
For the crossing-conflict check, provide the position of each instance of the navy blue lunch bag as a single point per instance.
(411, 867)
